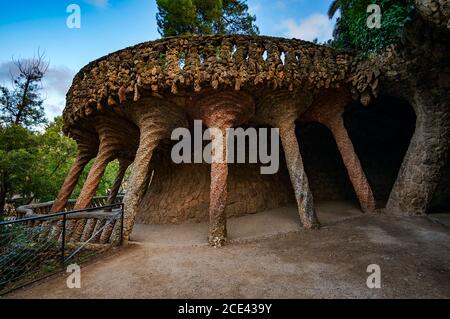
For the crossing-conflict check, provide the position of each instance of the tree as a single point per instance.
(33, 165)
(55, 155)
(235, 19)
(22, 104)
(351, 30)
(18, 156)
(188, 17)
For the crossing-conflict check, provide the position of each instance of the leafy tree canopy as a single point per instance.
(33, 165)
(18, 155)
(202, 17)
(351, 31)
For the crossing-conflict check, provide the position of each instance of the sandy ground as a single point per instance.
(270, 256)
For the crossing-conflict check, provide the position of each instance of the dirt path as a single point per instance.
(413, 254)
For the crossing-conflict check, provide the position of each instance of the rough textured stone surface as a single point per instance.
(221, 110)
(419, 72)
(155, 122)
(328, 110)
(180, 193)
(435, 12)
(181, 65)
(281, 109)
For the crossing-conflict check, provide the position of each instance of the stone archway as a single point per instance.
(327, 173)
(381, 134)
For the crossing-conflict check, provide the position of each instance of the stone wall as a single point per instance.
(180, 192)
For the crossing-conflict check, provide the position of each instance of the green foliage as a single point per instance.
(106, 182)
(24, 251)
(34, 165)
(351, 31)
(18, 156)
(188, 17)
(56, 154)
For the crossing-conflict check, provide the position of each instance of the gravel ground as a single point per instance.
(278, 261)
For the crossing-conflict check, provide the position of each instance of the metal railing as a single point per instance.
(45, 207)
(31, 248)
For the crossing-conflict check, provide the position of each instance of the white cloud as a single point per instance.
(8, 70)
(98, 3)
(58, 79)
(56, 83)
(315, 26)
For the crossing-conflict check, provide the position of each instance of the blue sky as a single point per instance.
(110, 25)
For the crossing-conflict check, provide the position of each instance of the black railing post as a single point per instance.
(121, 223)
(63, 240)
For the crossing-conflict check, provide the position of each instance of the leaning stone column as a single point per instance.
(328, 109)
(104, 156)
(87, 143)
(156, 119)
(117, 138)
(139, 176)
(280, 110)
(123, 165)
(353, 165)
(299, 180)
(220, 110)
(71, 181)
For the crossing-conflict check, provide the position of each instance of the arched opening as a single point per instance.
(327, 175)
(381, 134)
(180, 193)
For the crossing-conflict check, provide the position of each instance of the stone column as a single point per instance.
(123, 165)
(328, 109)
(427, 154)
(218, 196)
(352, 163)
(220, 110)
(280, 110)
(104, 156)
(139, 177)
(156, 119)
(117, 138)
(299, 180)
(71, 181)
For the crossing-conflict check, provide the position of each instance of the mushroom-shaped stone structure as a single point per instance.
(125, 106)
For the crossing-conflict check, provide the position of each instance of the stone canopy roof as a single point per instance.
(181, 66)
